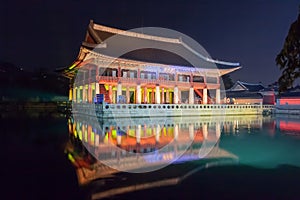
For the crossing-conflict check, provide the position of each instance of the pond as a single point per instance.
(52, 156)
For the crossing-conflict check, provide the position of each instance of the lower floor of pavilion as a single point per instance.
(143, 94)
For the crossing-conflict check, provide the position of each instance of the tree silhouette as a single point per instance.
(227, 81)
(288, 59)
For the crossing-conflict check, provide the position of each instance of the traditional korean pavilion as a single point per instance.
(144, 76)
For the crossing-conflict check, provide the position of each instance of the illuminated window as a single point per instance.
(114, 73)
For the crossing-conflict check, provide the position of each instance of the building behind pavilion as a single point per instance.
(250, 93)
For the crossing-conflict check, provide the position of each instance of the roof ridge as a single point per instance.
(157, 64)
(179, 41)
(242, 82)
(135, 34)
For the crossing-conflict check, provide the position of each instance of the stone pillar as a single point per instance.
(127, 95)
(97, 88)
(176, 95)
(78, 94)
(89, 96)
(204, 131)
(97, 138)
(119, 139)
(84, 94)
(119, 91)
(218, 130)
(70, 94)
(74, 94)
(218, 96)
(114, 99)
(138, 134)
(157, 133)
(138, 94)
(162, 95)
(167, 96)
(152, 96)
(191, 131)
(157, 95)
(176, 130)
(145, 95)
(191, 95)
(204, 96)
(110, 93)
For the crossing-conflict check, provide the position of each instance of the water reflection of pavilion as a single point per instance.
(144, 144)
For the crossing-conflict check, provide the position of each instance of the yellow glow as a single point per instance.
(85, 135)
(171, 97)
(80, 134)
(131, 132)
(72, 66)
(71, 158)
(149, 131)
(70, 94)
(106, 138)
(74, 127)
(92, 137)
(170, 131)
(165, 131)
(75, 134)
(114, 134)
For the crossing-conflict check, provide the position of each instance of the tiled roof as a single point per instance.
(243, 94)
(290, 94)
(97, 34)
(243, 86)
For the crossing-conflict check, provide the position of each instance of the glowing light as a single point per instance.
(114, 134)
(71, 158)
(289, 126)
(289, 101)
(74, 65)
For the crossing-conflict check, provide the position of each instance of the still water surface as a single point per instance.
(51, 156)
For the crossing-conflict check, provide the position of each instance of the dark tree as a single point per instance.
(288, 59)
(227, 81)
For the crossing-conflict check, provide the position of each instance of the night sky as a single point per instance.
(37, 34)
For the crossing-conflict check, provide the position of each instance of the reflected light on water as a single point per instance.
(201, 142)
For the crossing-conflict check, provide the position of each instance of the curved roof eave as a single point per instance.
(93, 26)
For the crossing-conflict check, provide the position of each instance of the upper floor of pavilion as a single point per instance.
(100, 53)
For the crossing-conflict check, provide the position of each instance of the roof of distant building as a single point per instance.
(293, 92)
(243, 94)
(243, 86)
